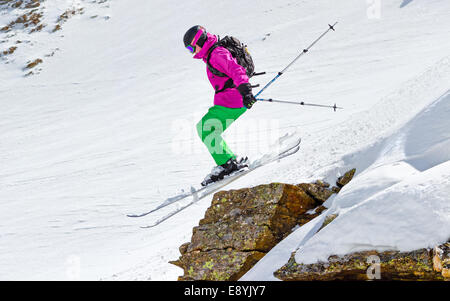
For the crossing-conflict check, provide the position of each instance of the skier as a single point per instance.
(233, 96)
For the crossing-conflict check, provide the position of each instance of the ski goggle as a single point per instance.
(190, 48)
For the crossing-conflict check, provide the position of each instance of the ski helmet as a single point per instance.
(198, 32)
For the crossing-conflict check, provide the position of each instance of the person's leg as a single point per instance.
(211, 127)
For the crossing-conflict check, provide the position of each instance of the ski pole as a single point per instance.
(300, 103)
(331, 27)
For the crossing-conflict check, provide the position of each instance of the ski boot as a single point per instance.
(221, 171)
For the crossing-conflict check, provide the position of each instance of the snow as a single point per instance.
(107, 128)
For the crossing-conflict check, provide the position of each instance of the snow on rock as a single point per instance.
(409, 215)
(400, 202)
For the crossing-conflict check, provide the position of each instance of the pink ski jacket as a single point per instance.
(222, 60)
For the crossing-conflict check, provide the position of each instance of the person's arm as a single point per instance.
(222, 60)
(225, 63)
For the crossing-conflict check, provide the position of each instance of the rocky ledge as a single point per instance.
(423, 264)
(241, 226)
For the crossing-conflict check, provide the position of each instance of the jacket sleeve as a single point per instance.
(222, 60)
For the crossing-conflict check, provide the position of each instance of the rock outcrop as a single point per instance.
(423, 264)
(346, 178)
(241, 226)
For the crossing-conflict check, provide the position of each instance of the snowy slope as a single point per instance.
(108, 126)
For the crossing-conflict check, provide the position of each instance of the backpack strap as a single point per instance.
(210, 67)
(229, 83)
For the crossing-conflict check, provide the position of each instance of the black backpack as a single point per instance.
(238, 50)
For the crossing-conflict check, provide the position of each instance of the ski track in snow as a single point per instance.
(90, 138)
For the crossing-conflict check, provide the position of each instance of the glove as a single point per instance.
(247, 95)
(249, 100)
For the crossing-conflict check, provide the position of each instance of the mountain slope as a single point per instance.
(107, 127)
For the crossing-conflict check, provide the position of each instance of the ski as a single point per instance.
(211, 186)
(196, 197)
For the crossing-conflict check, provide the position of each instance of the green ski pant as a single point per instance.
(211, 127)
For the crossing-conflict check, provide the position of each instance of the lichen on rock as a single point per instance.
(227, 264)
(319, 191)
(346, 178)
(392, 265)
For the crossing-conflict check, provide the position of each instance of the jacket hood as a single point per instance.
(210, 40)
